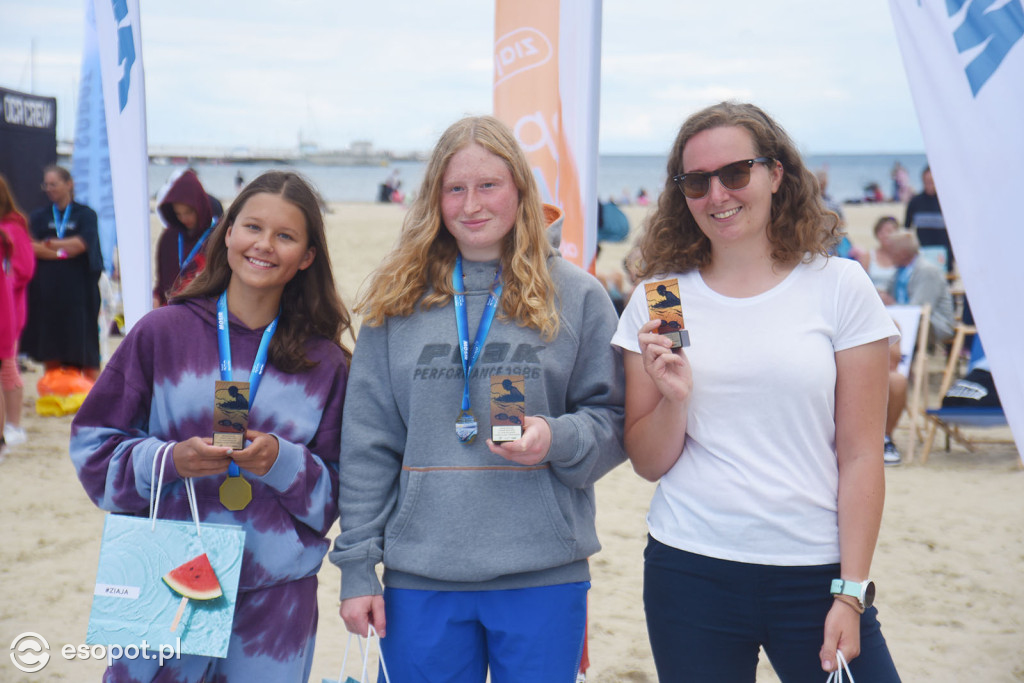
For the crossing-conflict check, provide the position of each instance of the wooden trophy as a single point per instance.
(663, 304)
(508, 407)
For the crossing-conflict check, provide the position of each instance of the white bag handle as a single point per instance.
(837, 675)
(344, 659)
(365, 654)
(154, 492)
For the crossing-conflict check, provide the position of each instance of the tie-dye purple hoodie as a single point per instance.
(159, 387)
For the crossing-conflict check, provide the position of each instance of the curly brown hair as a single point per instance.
(800, 225)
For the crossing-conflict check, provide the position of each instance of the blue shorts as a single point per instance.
(707, 619)
(529, 634)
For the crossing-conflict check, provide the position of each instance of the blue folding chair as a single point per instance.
(954, 420)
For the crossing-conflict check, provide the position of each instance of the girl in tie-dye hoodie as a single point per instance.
(268, 258)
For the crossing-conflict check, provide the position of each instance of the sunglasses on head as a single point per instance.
(734, 176)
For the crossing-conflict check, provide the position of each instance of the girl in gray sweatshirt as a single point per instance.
(484, 545)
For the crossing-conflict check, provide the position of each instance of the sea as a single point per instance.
(618, 176)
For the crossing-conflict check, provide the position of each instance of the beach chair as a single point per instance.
(953, 421)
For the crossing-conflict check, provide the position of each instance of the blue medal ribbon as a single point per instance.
(471, 354)
(61, 225)
(195, 249)
(258, 365)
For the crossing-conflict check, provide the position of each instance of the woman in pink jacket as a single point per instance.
(19, 264)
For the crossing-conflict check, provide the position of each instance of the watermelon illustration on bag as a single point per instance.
(194, 580)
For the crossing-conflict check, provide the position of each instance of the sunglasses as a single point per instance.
(734, 176)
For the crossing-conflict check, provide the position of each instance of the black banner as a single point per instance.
(28, 144)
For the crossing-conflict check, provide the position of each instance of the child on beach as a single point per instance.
(765, 435)
(269, 277)
(484, 546)
(187, 211)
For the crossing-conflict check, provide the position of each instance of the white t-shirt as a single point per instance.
(757, 480)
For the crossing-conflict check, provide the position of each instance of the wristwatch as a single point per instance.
(863, 593)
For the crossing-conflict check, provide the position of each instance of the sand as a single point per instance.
(947, 565)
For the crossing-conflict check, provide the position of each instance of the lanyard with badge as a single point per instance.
(195, 249)
(465, 424)
(61, 224)
(232, 404)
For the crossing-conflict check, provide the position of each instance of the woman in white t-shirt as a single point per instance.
(765, 434)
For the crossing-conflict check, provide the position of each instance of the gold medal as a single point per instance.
(235, 493)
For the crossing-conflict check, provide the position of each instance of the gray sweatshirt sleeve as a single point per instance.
(586, 440)
(372, 440)
(928, 285)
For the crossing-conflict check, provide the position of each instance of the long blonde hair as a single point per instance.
(800, 224)
(418, 272)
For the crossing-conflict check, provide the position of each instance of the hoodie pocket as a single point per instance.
(476, 524)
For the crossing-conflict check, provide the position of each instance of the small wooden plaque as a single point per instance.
(230, 414)
(508, 407)
(663, 304)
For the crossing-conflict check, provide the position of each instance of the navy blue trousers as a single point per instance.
(707, 619)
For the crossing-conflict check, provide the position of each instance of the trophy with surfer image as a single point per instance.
(663, 304)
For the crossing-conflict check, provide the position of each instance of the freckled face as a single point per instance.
(479, 201)
(268, 243)
(727, 216)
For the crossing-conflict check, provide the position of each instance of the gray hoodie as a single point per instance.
(443, 515)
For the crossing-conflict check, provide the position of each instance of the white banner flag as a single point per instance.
(547, 57)
(965, 63)
(119, 38)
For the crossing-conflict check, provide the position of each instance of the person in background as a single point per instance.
(894, 406)
(7, 328)
(391, 188)
(924, 216)
(268, 278)
(878, 262)
(918, 281)
(484, 544)
(764, 435)
(901, 191)
(845, 248)
(188, 214)
(62, 328)
(19, 265)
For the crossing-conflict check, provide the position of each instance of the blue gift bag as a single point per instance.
(133, 606)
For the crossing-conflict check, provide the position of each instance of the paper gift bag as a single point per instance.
(364, 655)
(132, 602)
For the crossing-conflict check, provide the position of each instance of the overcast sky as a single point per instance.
(257, 73)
